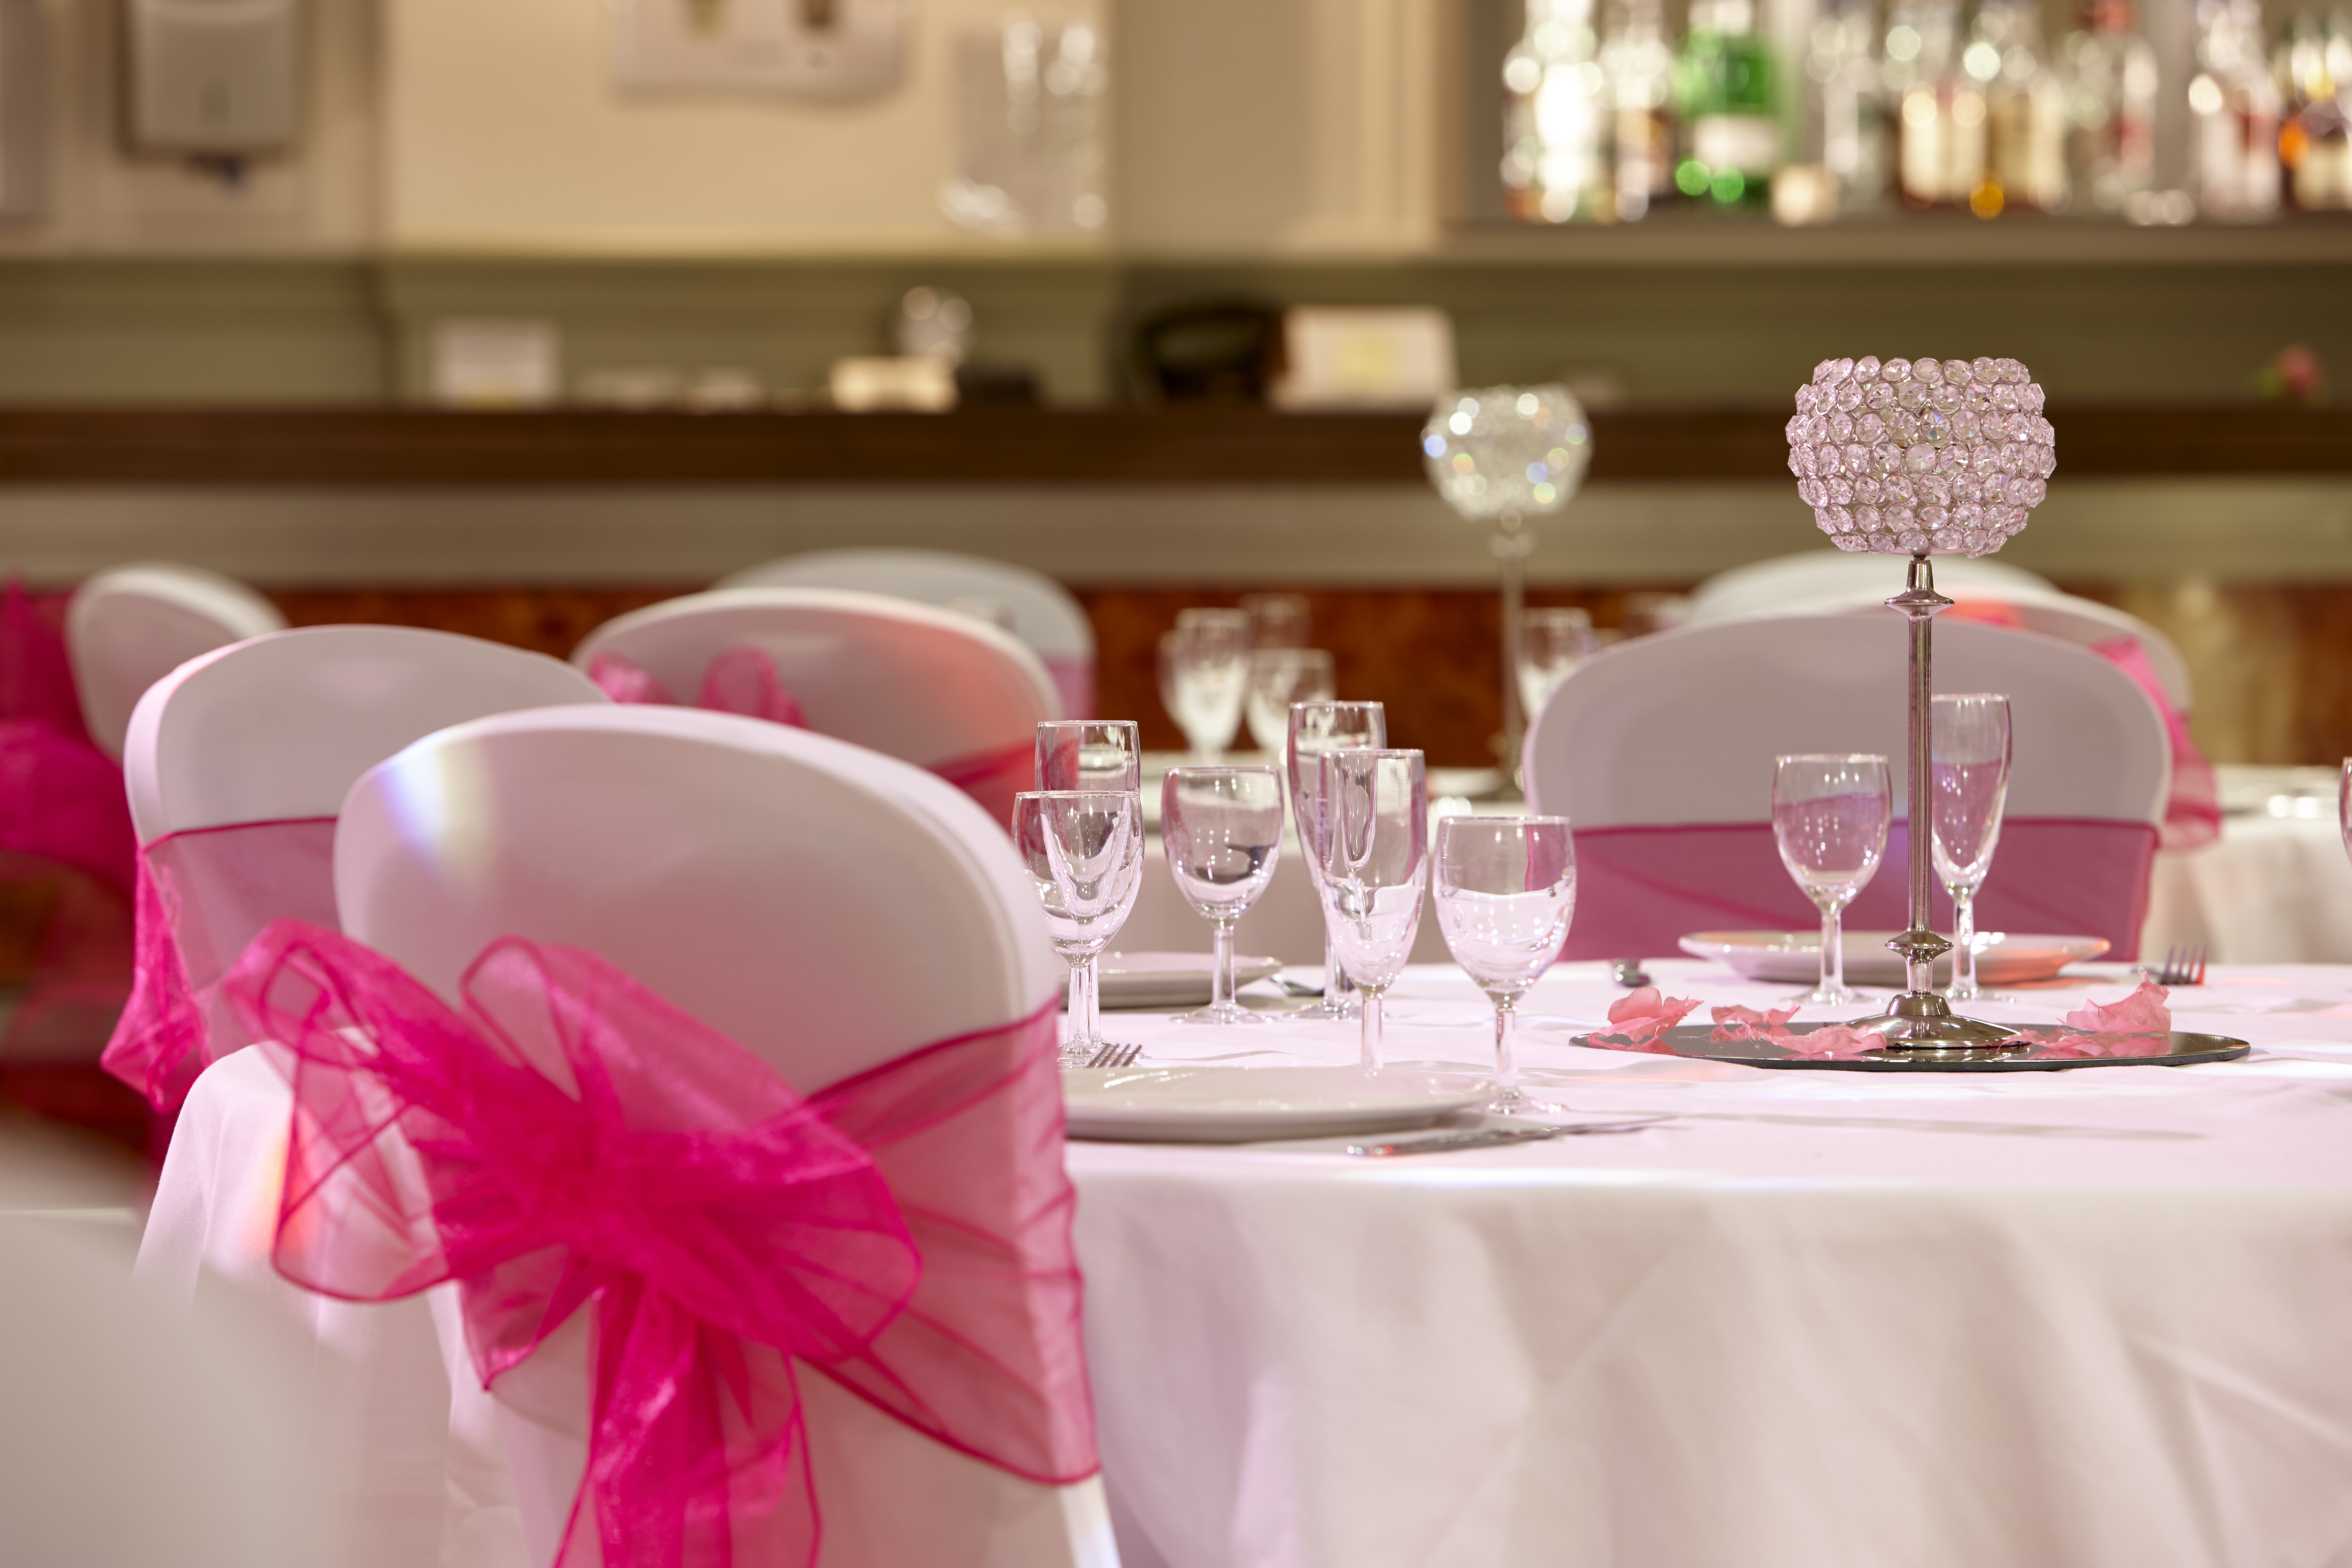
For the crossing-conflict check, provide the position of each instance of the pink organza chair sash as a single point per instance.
(571, 1140)
(993, 777)
(736, 680)
(64, 818)
(1641, 889)
(202, 896)
(1074, 682)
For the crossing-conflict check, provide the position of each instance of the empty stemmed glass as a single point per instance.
(1204, 677)
(1374, 810)
(1505, 887)
(1084, 850)
(1223, 831)
(1830, 815)
(1552, 643)
(1968, 780)
(1278, 678)
(1089, 754)
(1317, 728)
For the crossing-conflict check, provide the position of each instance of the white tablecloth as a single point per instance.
(1821, 1320)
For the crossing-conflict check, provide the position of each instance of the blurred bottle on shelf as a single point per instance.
(1725, 95)
(1840, 163)
(1939, 111)
(2110, 79)
(1555, 126)
(2025, 111)
(1637, 64)
(2235, 103)
(2314, 65)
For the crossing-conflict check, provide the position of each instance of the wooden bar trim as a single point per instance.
(331, 445)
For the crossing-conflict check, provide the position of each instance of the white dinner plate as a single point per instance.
(1238, 1105)
(2006, 958)
(1170, 979)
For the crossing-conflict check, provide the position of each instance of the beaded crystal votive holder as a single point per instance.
(1921, 456)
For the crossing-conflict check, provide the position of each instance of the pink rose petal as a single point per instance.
(1747, 1024)
(1644, 1015)
(2141, 1013)
(1831, 1042)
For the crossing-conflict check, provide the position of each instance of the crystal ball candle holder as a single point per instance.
(1921, 456)
(1518, 451)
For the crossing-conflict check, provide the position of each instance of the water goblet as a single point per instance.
(1204, 677)
(1552, 643)
(1505, 887)
(1276, 620)
(1223, 831)
(1089, 754)
(1374, 810)
(1084, 850)
(1830, 815)
(1968, 780)
(1317, 728)
(1278, 678)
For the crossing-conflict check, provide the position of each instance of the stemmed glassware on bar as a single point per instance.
(1505, 887)
(1084, 851)
(1552, 643)
(1968, 780)
(1374, 808)
(1204, 667)
(1829, 818)
(1317, 728)
(1223, 830)
(1278, 678)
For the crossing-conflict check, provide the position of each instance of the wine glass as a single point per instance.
(1830, 816)
(1317, 728)
(1967, 775)
(1204, 677)
(1084, 850)
(1223, 831)
(1552, 643)
(1505, 887)
(1278, 678)
(1089, 754)
(1276, 620)
(1374, 808)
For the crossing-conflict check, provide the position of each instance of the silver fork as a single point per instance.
(1111, 1056)
(2183, 965)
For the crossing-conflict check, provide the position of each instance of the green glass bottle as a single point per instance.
(1724, 90)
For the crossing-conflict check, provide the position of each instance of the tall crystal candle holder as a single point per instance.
(1504, 455)
(1922, 458)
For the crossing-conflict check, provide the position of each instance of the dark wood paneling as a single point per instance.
(405, 446)
(544, 620)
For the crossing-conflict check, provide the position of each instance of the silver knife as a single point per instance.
(1495, 1137)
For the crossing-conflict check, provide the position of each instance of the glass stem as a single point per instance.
(1221, 966)
(1373, 1045)
(1075, 1011)
(1964, 942)
(1833, 950)
(1507, 1031)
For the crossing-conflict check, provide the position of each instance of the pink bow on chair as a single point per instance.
(741, 679)
(573, 1140)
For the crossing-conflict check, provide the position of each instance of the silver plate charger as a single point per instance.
(1692, 1040)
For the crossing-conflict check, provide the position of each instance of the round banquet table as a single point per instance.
(1818, 1320)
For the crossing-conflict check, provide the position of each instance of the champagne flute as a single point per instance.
(1967, 773)
(1374, 807)
(1089, 754)
(1223, 831)
(1830, 815)
(1505, 887)
(1204, 677)
(1317, 728)
(1084, 850)
(1552, 644)
(1278, 678)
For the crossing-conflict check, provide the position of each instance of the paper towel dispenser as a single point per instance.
(213, 78)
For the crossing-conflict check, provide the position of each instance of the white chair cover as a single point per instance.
(1046, 615)
(274, 728)
(1820, 582)
(128, 628)
(785, 888)
(1679, 730)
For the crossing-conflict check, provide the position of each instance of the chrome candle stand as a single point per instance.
(1512, 543)
(1918, 1023)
